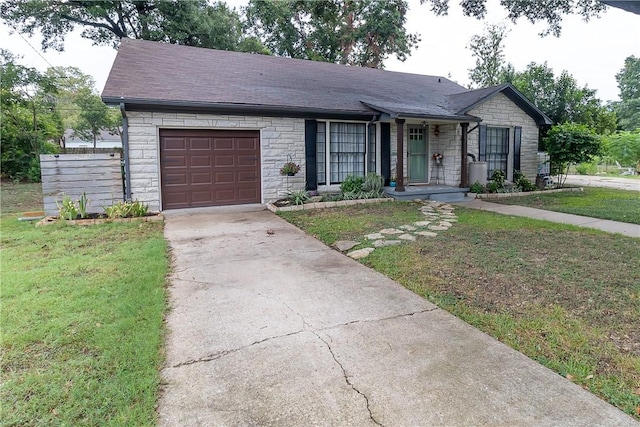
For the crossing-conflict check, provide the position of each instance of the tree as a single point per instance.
(28, 119)
(624, 147)
(551, 11)
(93, 116)
(69, 81)
(488, 51)
(193, 23)
(628, 108)
(571, 143)
(355, 32)
(562, 99)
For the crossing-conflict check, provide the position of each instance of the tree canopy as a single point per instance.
(488, 51)
(355, 32)
(193, 22)
(28, 118)
(549, 11)
(628, 108)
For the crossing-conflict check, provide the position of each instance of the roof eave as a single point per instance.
(138, 104)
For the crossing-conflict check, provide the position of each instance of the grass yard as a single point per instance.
(604, 203)
(565, 296)
(82, 319)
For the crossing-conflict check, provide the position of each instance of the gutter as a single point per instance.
(125, 151)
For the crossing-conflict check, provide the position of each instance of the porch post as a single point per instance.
(400, 155)
(464, 175)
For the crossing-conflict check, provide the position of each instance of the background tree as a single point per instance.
(488, 51)
(93, 116)
(69, 82)
(355, 32)
(571, 143)
(28, 119)
(549, 11)
(562, 99)
(628, 108)
(193, 22)
(624, 147)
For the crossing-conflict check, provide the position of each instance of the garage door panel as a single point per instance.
(200, 144)
(172, 143)
(209, 167)
(221, 144)
(174, 162)
(201, 178)
(175, 179)
(227, 160)
(200, 161)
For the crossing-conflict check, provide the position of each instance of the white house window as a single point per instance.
(497, 150)
(341, 150)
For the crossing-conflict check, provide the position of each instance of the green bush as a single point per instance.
(477, 188)
(352, 184)
(298, 197)
(587, 168)
(373, 184)
(522, 183)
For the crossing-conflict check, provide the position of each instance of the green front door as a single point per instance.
(417, 152)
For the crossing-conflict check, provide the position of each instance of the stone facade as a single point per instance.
(279, 138)
(500, 111)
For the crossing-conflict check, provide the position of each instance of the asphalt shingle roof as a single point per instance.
(151, 73)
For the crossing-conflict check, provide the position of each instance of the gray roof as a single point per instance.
(156, 75)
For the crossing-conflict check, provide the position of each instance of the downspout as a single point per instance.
(125, 151)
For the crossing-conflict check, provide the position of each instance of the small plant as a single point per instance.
(587, 168)
(522, 183)
(373, 184)
(352, 184)
(67, 209)
(298, 197)
(494, 187)
(83, 203)
(477, 188)
(289, 169)
(332, 197)
(498, 177)
(126, 210)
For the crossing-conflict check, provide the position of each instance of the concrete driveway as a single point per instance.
(270, 327)
(604, 181)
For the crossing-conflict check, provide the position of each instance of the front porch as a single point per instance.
(441, 193)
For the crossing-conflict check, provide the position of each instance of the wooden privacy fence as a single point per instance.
(97, 175)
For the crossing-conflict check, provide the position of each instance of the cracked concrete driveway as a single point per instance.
(270, 327)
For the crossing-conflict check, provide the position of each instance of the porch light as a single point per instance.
(436, 130)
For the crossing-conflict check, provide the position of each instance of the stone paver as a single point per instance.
(360, 253)
(345, 245)
(439, 216)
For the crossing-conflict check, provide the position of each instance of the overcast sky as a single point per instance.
(593, 52)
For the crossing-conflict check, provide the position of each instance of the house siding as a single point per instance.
(280, 138)
(500, 111)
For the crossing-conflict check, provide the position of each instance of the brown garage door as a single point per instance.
(209, 167)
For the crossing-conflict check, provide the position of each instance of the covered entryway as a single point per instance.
(202, 167)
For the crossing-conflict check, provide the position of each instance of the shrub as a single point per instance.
(352, 184)
(373, 184)
(67, 209)
(126, 210)
(522, 183)
(477, 188)
(298, 197)
(587, 168)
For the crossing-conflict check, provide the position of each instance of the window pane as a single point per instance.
(321, 144)
(497, 150)
(347, 145)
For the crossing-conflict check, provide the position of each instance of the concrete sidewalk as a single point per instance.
(268, 326)
(632, 230)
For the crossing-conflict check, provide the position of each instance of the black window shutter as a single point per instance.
(385, 151)
(310, 130)
(517, 143)
(482, 143)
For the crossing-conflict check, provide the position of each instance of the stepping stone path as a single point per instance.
(438, 217)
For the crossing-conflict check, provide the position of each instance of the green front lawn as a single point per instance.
(566, 297)
(82, 319)
(604, 203)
